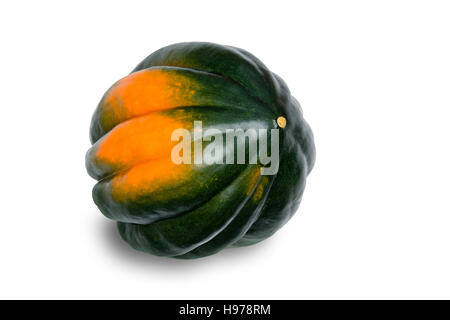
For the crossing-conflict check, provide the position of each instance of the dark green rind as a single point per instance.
(236, 229)
(296, 161)
(177, 236)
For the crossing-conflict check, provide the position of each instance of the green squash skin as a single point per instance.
(175, 237)
(219, 206)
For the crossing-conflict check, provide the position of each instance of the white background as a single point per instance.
(373, 78)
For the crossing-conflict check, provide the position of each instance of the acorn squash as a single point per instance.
(192, 210)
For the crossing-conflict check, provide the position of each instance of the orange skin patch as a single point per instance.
(146, 178)
(138, 140)
(140, 150)
(259, 192)
(143, 92)
(253, 181)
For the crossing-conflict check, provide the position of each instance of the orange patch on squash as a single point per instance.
(259, 192)
(148, 177)
(253, 180)
(139, 140)
(143, 92)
